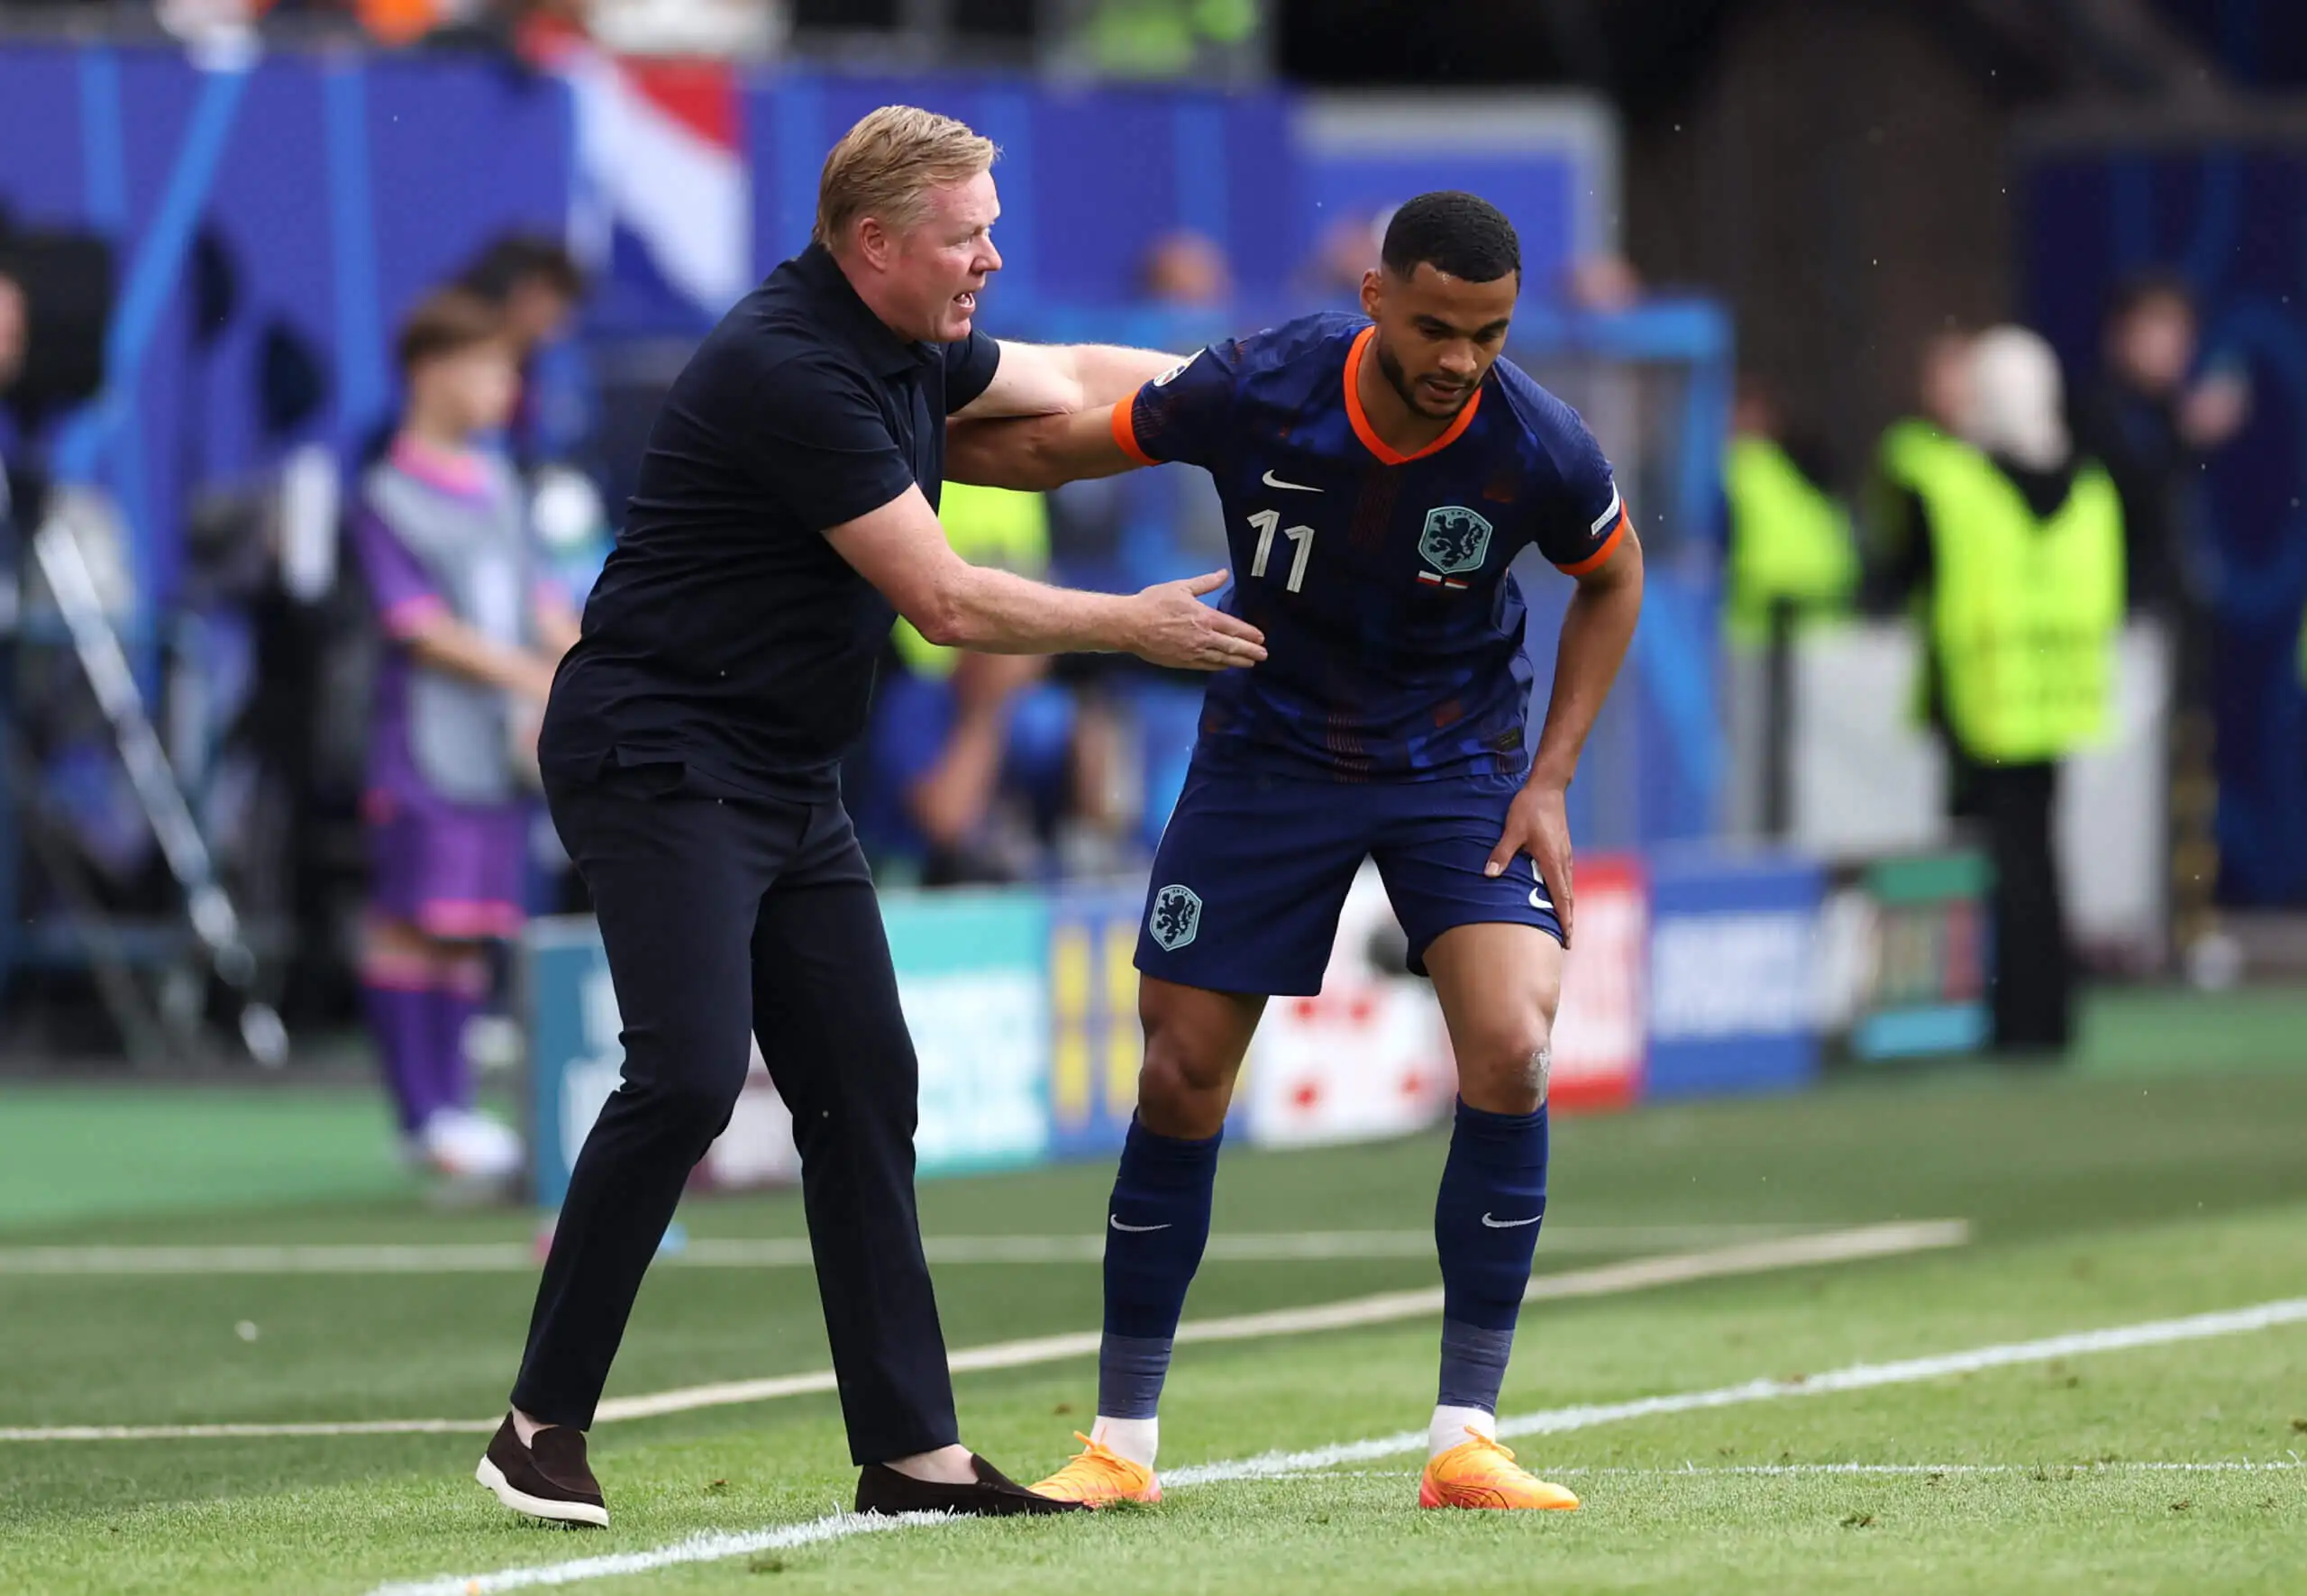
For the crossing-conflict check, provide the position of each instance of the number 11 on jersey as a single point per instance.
(1269, 522)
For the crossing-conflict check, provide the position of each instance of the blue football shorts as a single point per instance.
(1254, 867)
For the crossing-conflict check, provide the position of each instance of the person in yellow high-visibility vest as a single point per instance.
(1790, 540)
(1942, 403)
(953, 731)
(2018, 556)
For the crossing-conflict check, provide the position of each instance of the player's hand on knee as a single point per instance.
(1175, 629)
(1537, 823)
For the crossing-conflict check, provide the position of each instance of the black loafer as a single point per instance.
(881, 1489)
(547, 1479)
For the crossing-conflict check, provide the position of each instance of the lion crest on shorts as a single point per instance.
(1176, 916)
(1457, 540)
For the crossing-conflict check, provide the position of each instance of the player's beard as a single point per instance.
(1406, 390)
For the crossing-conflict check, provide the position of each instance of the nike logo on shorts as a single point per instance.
(1510, 1223)
(1274, 481)
(1132, 1229)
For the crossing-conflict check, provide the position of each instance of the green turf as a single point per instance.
(2100, 1197)
(227, 1517)
(70, 1153)
(134, 1149)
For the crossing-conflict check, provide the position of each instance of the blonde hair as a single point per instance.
(885, 165)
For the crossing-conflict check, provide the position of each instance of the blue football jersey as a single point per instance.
(1393, 629)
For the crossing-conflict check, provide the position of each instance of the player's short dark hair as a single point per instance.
(1459, 233)
(445, 324)
(518, 258)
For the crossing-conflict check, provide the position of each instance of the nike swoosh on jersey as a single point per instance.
(1540, 899)
(1510, 1223)
(1133, 1229)
(1274, 481)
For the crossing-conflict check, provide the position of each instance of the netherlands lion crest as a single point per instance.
(1176, 916)
(1456, 541)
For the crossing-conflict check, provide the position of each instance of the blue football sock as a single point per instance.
(1486, 1220)
(1156, 1226)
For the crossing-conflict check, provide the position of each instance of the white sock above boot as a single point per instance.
(1133, 1438)
(1450, 1425)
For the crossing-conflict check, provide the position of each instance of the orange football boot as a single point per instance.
(1101, 1477)
(1478, 1472)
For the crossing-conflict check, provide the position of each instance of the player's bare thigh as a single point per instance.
(1195, 1040)
(1499, 985)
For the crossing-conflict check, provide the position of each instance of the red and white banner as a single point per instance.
(658, 155)
(1368, 1058)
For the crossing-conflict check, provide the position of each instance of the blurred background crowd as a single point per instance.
(1780, 253)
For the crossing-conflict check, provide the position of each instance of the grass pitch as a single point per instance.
(2097, 1199)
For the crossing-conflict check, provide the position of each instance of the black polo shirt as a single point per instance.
(724, 633)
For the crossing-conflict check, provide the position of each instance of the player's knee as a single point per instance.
(1183, 1091)
(1504, 1070)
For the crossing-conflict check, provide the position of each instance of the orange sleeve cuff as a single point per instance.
(1126, 431)
(1595, 561)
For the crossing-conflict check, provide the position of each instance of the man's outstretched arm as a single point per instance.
(1064, 379)
(1039, 452)
(902, 550)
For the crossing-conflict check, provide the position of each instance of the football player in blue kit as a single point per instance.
(1378, 475)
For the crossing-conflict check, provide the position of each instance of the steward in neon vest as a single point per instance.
(2024, 607)
(1790, 542)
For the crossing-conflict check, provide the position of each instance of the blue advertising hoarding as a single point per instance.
(1023, 1009)
(1734, 987)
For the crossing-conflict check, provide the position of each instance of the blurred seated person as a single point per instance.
(2152, 419)
(1119, 533)
(536, 286)
(974, 761)
(1331, 277)
(15, 331)
(1602, 285)
(15, 340)
(1188, 270)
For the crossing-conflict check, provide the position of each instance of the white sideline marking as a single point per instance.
(1834, 1246)
(793, 1251)
(701, 1548)
(1555, 1421)
(1692, 1471)
(1858, 1377)
(253, 1432)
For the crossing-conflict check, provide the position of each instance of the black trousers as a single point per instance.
(2033, 991)
(718, 916)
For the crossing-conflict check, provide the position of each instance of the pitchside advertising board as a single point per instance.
(1023, 1008)
(1690, 974)
(1912, 957)
(1734, 975)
